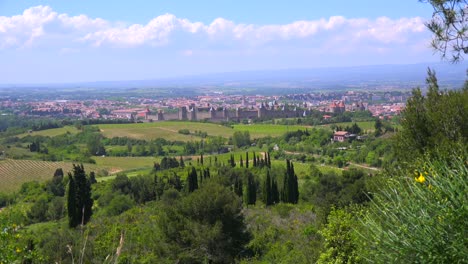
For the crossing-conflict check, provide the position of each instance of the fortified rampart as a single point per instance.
(223, 114)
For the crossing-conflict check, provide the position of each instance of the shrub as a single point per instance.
(420, 217)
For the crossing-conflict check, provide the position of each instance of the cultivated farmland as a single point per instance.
(13, 173)
(167, 130)
(52, 132)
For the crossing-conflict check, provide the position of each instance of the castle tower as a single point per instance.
(183, 113)
(160, 115)
(261, 111)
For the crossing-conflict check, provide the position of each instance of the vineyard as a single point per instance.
(15, 172)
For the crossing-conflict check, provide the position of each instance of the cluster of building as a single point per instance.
(213, 107)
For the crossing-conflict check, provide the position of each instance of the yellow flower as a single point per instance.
(421, 178)
(18, 250)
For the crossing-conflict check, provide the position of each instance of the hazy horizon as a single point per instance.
(63, 42)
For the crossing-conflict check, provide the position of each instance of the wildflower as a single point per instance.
(420, 179)
(18, 250)
(430, 186)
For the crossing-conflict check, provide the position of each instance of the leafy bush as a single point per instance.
(184, 131)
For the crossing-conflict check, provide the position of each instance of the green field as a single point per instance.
(52, 132)
(13, 173)
(167, 130)
(264, 130)
(116, 164)
(365, 126)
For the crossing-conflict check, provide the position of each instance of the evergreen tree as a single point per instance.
(233, 163)
(56, 186)
(71, 203)
(201, 159)
(80, 202)
(275, 197)
(192, 180)
(92, 177)
(268, 160)
(290, 191)
(254, 160)
(250, 190)
(267, 191)
(238, 186)
(247, 160)
(241, 162)
(181, 162)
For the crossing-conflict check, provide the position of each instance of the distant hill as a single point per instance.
(375, 76)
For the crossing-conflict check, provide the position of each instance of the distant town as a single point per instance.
(213, 106)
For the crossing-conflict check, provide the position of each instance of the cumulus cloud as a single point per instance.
(42, 22)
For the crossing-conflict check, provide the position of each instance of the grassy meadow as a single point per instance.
(52, 132)
(167, 130)
(264, 130)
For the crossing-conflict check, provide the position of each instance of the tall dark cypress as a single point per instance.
(71, 202)
(267, 159)
(238, 187)
(247, 160)
(83, 203)
(275, 197)
(192, 180)
(233, 163)
(201, 159)
(181, 162)
(241, 162)
(294, 185)
(254, 160)
(267, 192)
(250, 190)
(290, 191)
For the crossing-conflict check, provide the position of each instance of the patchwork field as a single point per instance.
(115, 164)
(15, 172)
(365, 126)
(264, 130)
(169, 130)
(52, 132)
(166, 130)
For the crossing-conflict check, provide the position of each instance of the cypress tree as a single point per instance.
(294, 186)
(201, 159)
(267, 159)
(79, 201)
(290, 191)
(192, 180)
(181, 162)
(238, 187)
(71, 203)
(241, 162)
(275, 197)
(267, 192)
(254, 160)
(247, 160)
(250, 190)
(233, 163)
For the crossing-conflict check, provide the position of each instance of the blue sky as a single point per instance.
(75, 41)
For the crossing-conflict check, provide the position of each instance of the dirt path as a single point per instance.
(364, 166)
(168, 129)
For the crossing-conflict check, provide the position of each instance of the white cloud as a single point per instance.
(38, 24)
